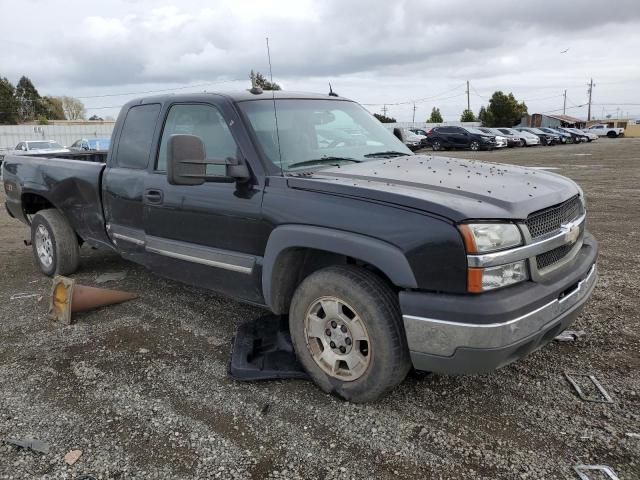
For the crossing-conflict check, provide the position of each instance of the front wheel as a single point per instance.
(475, 146)
(436, 145)
(55, 244)
(523, 142)
(347, 331)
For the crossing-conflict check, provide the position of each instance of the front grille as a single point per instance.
(547, 259)
(550, 219)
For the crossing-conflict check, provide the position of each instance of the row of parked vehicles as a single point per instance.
(484, 138)
(51, 146)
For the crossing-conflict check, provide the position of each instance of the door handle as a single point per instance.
(153, 196)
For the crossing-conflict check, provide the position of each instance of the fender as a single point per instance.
(384, 256)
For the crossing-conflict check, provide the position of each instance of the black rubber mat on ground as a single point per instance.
(262, 350)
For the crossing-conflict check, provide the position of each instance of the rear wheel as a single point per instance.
(54, 243)
(475, 145)
(347, 331)
(612, 134)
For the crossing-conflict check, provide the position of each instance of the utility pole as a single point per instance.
(384, 110)
(414, 114)
(468, 101)
(564, 105)
(589, 91)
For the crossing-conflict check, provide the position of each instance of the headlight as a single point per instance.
(490, 237)
(483, 279)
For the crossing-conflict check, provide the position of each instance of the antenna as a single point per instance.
(275, 111)
(331, 92)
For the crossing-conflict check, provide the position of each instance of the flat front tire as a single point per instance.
(347, 331)
(54, 243)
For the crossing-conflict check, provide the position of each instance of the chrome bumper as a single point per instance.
(443, 337)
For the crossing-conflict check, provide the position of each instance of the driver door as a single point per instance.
(208, 235)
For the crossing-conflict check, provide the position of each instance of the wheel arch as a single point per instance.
(295, 251)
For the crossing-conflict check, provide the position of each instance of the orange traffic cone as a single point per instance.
(68, 298)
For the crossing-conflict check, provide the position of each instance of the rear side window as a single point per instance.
(137, 135)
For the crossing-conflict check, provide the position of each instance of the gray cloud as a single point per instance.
(378, 51)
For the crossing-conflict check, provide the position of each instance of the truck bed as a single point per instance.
(70, 181)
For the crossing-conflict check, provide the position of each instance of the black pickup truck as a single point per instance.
(305, 204)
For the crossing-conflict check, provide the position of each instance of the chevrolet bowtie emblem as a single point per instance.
(573, 232)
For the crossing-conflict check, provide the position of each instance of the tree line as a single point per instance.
(22, 103)
(502, 111)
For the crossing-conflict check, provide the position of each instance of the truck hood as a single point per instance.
(453, 188)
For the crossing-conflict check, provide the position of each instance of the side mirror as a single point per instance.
(187, 163)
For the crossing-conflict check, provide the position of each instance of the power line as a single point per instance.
(184, 87)
(417, 100)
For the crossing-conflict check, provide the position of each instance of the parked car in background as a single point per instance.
(545, 138)
(501, 140)
(460, 137)
(91, 145)
(33, 147)
(420, 131)
(563, 137)
(575, 137)
(513, 140)
(603, 130)
(527, 139)
(410, 139)
(589, 137)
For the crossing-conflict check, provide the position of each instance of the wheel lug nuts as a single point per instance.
(342, 349)
(343, 328)
(334, 324)
(327, 332)
(332, 344)
(347, 341)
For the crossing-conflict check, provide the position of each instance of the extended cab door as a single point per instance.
(124, 179)
(209, 235)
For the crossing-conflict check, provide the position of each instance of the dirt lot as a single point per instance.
(142, 388)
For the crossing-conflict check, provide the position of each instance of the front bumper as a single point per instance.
(479, 333)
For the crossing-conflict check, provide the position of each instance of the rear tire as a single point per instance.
(349, 307)
(612, 134)
(54, 243)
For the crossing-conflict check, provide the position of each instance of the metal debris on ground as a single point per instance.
(72, 456)
(633, 435)
(569, 335)
(29, 443)
(111, 277)
(605, 397)
(582, 469)
(19, 296)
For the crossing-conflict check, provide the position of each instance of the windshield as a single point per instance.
(537, 131)
(42, 145)
(311, 130)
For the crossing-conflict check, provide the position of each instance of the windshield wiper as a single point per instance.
(320, 161)
(387, 154)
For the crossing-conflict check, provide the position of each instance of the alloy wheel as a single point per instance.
(337, 338)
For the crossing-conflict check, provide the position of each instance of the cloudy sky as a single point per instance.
(376, 52)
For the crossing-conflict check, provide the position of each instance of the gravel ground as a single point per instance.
(142, 389)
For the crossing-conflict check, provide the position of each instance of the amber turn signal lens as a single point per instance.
(469, 241)
(474, 280)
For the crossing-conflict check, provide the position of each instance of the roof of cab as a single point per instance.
(239, 96)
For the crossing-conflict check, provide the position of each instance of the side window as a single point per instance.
(206, 122)
(137, 135)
